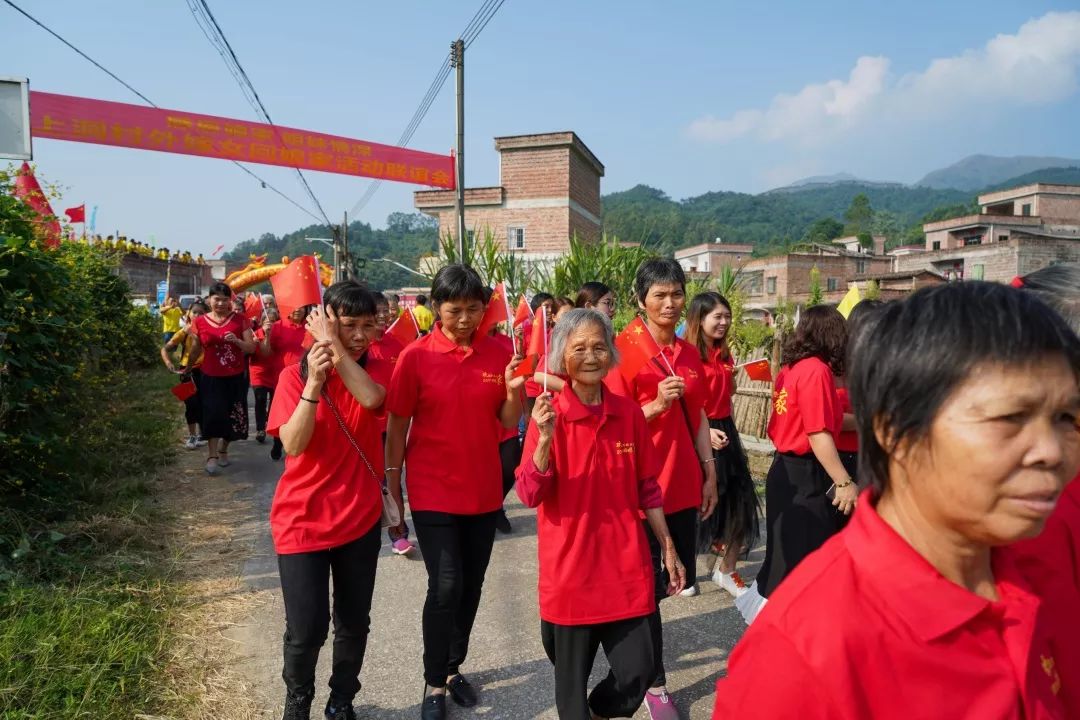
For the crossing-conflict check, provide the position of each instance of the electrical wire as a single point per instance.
(145, 99)
(227, 53)
(476, 25)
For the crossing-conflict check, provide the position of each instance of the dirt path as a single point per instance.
(230, 657)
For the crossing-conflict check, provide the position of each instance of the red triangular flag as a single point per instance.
(253, 306)
(497, 311)
(523, 312)
(636, 348)
(405, 328)
(537, 345)
(297, 285)
(758, 370)
(29, 191)
(76, 214)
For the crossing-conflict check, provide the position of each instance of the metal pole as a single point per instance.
(345, 245)
(457, 53)
(337, 253)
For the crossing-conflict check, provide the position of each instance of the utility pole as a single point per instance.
(345, 246)
(337, 252)
(457, 60)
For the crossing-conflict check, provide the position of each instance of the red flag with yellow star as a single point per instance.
(758, 370)
(636, 348)
(497, 311)
(537, 346)
(297, 285)
(523, 313)
(405, 329)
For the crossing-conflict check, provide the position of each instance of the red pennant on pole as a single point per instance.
(636, 347)
(29, 191)
(405, 329)
(297, 285)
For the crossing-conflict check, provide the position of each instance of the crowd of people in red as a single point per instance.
(921, 537)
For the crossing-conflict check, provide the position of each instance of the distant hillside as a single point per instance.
(981, 171)
(1051, 175)
(825, 180)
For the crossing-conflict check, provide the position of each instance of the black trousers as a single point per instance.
(305, 579)
(572, 648)
(263, 397)
(510, 458)
(683, 528)
(456, 551)
(193, 405)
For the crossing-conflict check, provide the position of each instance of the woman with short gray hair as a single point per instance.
(588, 468)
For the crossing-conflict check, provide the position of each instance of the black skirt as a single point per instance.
(799, 516)
(224, 407)
(735, 523)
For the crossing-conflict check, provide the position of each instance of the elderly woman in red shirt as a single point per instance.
(966, 400)
(588, 468)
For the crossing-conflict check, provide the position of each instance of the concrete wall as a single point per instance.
(791, 274)
(996, 262)
(144, 273)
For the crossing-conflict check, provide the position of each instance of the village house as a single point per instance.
(710, 258)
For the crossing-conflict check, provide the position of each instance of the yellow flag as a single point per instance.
(850, 300)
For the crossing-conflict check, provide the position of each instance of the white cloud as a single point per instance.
(1037, 65)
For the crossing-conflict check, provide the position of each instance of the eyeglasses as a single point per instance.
(598, 353)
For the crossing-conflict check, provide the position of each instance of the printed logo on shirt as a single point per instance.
(780, 402)
(1051, 672)
(691, 374)
(624, 448)
(493, 378)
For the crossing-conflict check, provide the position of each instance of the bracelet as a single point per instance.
(706, 462)
(313, 402)
(841, 486)
(391, 470)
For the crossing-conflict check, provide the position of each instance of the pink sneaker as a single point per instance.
(661, 707)
(401, 546)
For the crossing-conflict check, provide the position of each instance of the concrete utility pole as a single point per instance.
(345, 246)
(457, 60)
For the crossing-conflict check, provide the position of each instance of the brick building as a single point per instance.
(144, 273)
(549, 191)
(711, 257)
(768, 281)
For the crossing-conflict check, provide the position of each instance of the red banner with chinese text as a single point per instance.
(62, 117)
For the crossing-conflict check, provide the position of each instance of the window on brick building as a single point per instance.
(936, 245)
(973, 240)
(516, 238)
(832, 284)
(860, 267)
(977, 272)
(1025, 209)
(1003, 238)
(770, 285)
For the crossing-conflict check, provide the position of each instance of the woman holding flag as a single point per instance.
(664, 375)
(592, 296)
(453, 378)
(734, 526)
(283, 345)
(223, 337)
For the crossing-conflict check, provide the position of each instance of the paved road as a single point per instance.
(506, 658)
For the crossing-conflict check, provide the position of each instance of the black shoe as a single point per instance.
(298, 707)
(260, 437)
(502, 523)
(462, 692)
(275, 452)
(433, 707)
(339, 710)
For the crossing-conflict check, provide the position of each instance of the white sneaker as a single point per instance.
(212, 467)
(690, 591)
(750, 603)
(732, 583)
(190, 443)
(200, 441)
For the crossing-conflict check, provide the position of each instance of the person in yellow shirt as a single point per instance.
(424, 317)
(170, 317)
(190, 360)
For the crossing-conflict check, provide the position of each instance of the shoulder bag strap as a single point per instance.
(344, 428)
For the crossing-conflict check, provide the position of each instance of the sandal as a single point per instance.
(212, 465)
(223, 460)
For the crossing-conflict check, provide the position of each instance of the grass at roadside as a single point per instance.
(85, 600)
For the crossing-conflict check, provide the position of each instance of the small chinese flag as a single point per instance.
(76, 214)
(253, 306)
(297, 285)
(184, 390)
(404, 329)
(523, 313)
(636, 347)
(218, 249)
(758, 370)
(537, 346)
(497, 311)
(29, 191)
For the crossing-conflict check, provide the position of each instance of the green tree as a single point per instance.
(824, 231)
(859, 215)
(816, 294)
(873, 291)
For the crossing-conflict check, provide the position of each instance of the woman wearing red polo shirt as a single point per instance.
(447, 390)
(326, 509)
(807, 484)
(224, 337)
(263, 371)
(671, 392)
(967, 428)
(847, 440)
(284, 344)
(594, 296)
(588, 468)
(734, 526)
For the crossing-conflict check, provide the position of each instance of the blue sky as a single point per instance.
(689, 97)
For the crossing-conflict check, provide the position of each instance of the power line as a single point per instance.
(233, 63)
(476, 25)
(145, 99)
